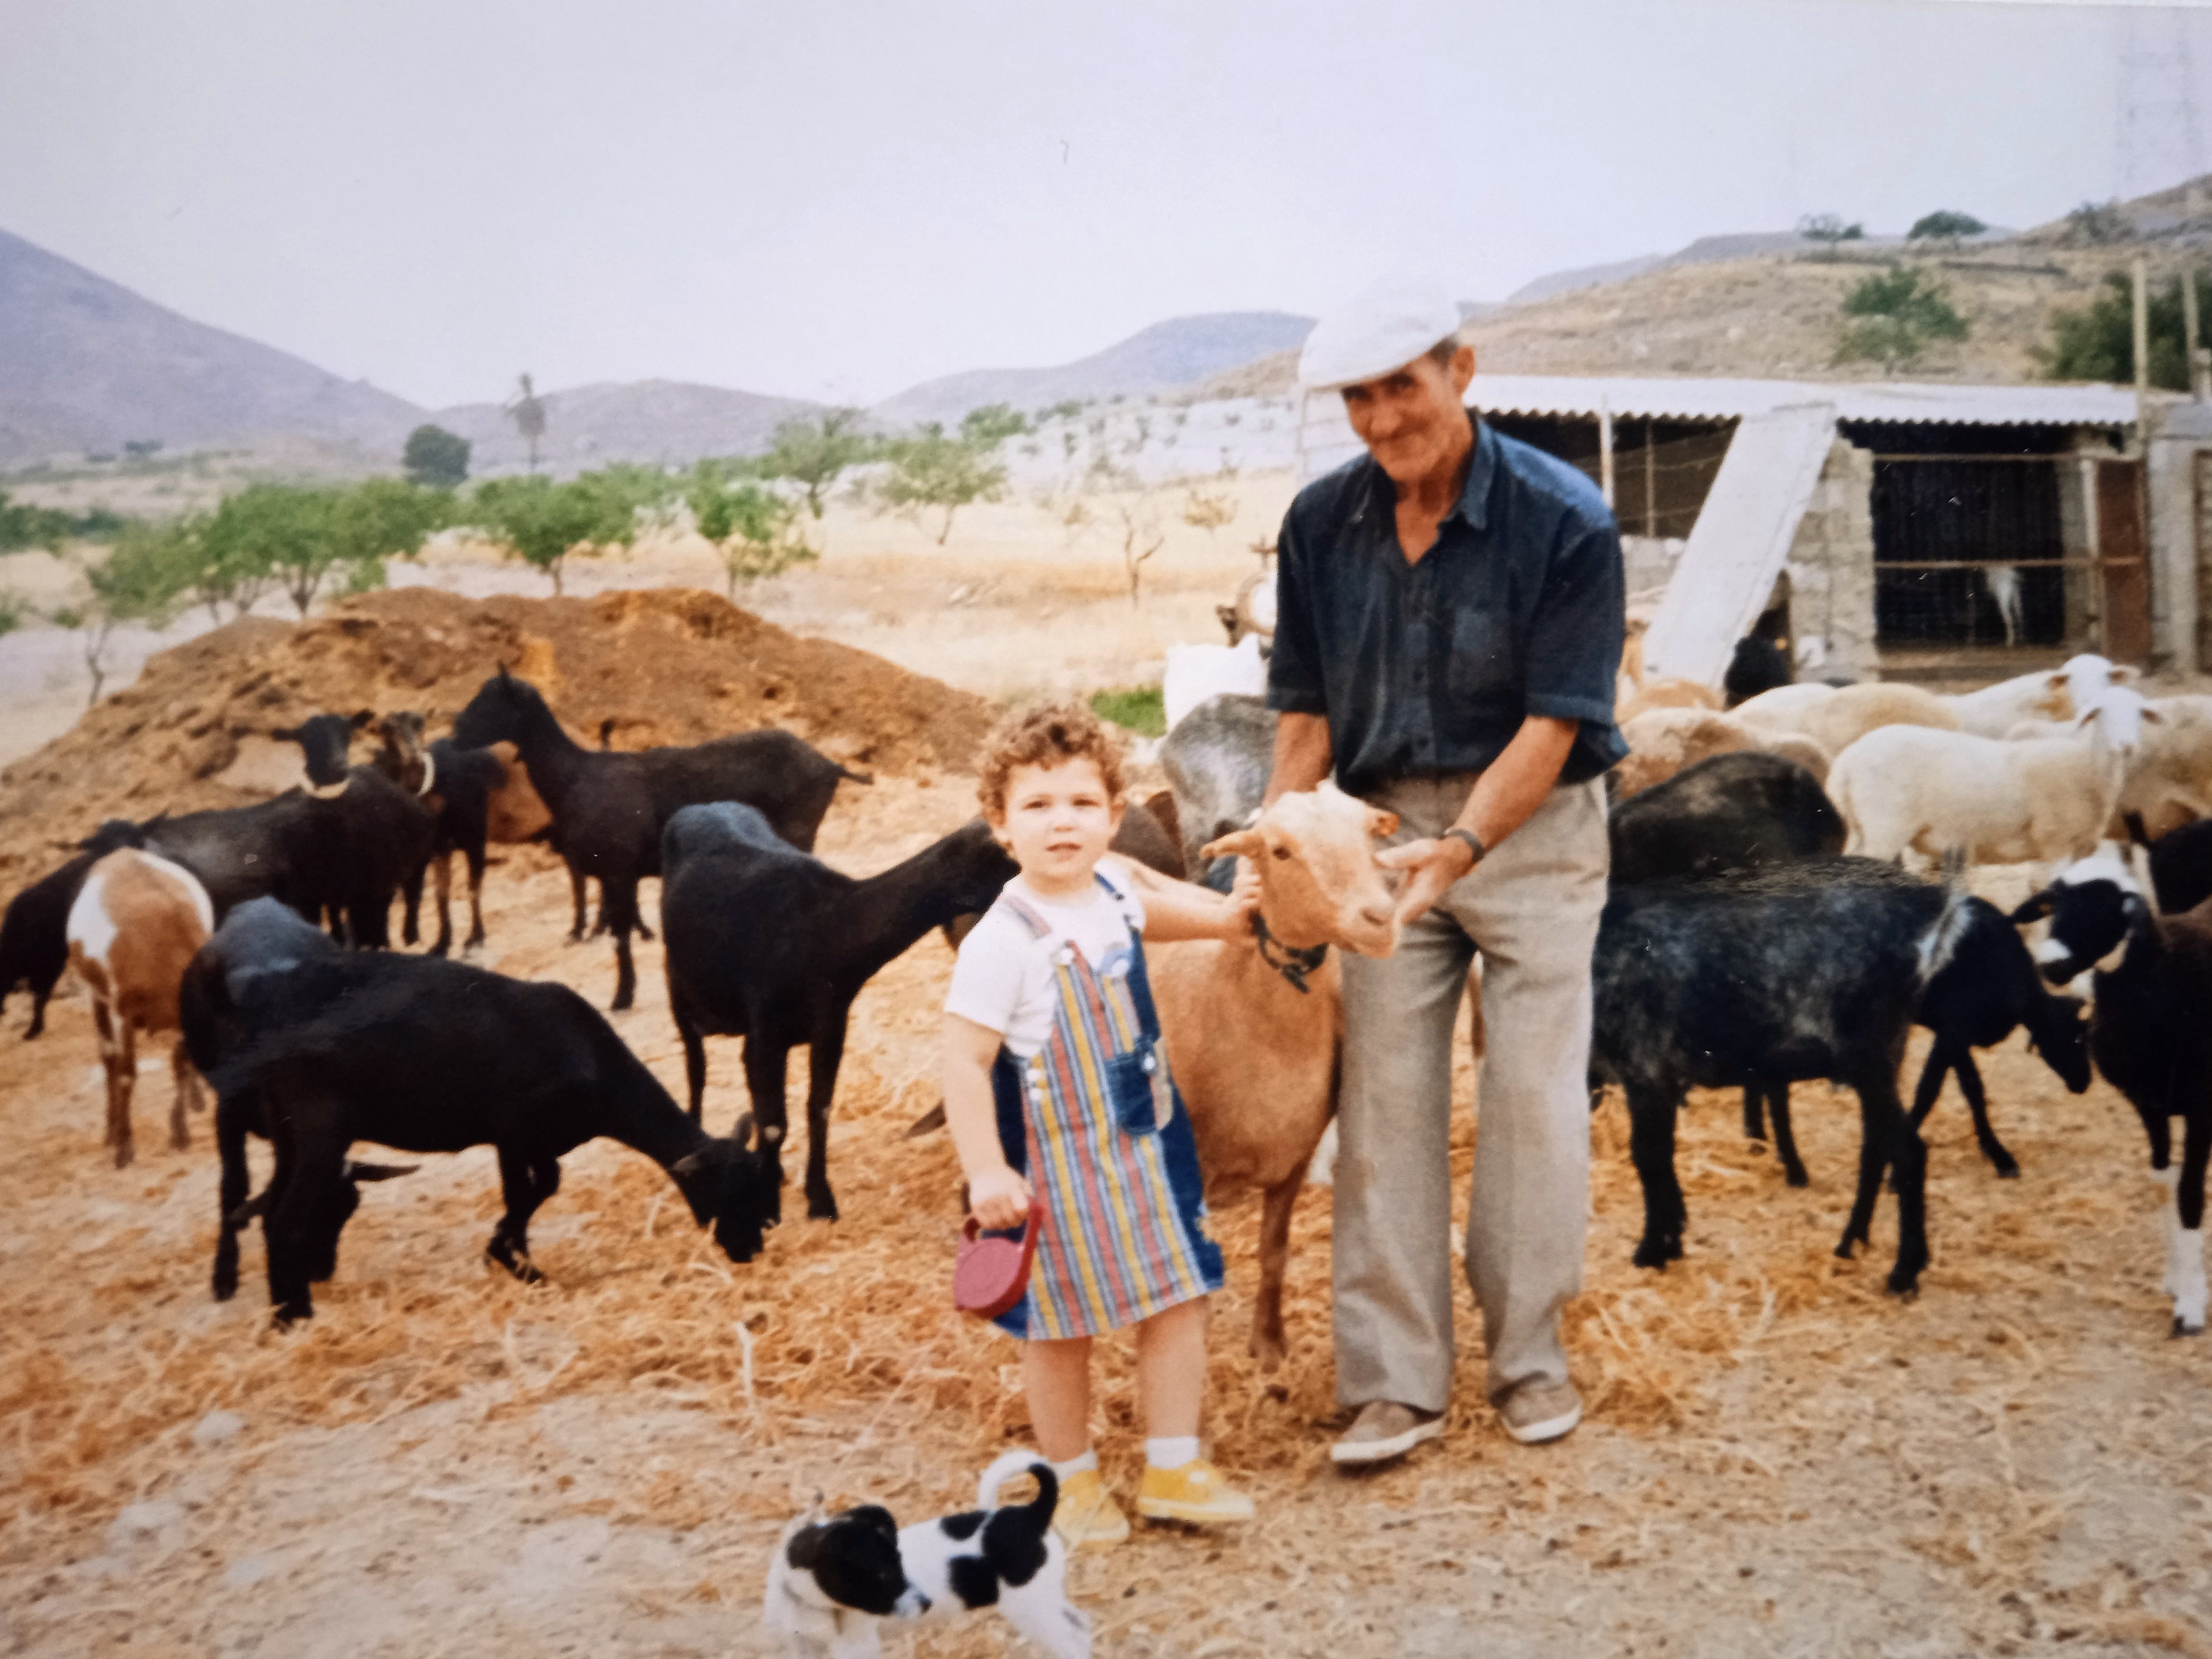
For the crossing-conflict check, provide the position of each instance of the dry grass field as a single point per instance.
(1779, 1458)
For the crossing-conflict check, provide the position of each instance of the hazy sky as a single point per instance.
(835, 200)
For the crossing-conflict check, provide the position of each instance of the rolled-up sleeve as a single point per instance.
(1574, 645)
(1294, 678)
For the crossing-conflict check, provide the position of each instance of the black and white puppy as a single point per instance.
(832, 1579)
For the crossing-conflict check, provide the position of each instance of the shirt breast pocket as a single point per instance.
(1484, 659)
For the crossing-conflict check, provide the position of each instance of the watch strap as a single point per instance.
(1474, 841)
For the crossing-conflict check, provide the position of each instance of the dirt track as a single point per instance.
(1779, 1458)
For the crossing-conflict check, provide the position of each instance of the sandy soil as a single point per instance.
(1779, 1457)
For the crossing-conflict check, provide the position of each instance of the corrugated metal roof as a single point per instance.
(1888, 400)
(1326, 438)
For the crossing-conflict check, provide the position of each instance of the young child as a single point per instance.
(1056, 1091)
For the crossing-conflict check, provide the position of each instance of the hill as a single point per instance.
(87, 365)
(1764, 306)
(671, 422)
(1162, 358)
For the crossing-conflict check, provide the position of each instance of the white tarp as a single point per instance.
(1741, 543)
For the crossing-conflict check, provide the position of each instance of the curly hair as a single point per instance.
(1045, 734)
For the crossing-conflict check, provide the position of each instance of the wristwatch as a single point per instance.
(1473, 842)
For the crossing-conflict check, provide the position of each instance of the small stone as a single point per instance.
(217, 1427)
(137, 1523)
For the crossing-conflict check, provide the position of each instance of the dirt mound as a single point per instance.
(665, 666)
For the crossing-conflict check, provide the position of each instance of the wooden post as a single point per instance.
(1605, 448)
(2141, 340)
(1650, 477)
(2189, 331)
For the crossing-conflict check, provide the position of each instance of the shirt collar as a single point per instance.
(1473, 503)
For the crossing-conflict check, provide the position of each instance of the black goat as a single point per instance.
(609, 809)
(2148, 1035)
(317, 1049)
(1809, 969)
(767, 943)
(1759, 664)
(2180, 863)
(458, 786)
(33, 934)
(1989, 989)
(360, 838)
(1730, 812)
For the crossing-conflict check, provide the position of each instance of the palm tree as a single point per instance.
(529, 417)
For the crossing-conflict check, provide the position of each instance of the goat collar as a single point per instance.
(1292, 964)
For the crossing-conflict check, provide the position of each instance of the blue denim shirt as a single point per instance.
(1430, 668)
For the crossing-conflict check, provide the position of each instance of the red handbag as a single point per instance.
(990, 1275)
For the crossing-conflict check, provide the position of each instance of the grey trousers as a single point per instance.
(1532, 908)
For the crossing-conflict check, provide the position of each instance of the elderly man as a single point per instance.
(1450, 613)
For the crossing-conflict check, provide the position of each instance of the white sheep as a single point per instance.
(1196, 672)
(1910, 788)
(1846, 714)
(2046, 694)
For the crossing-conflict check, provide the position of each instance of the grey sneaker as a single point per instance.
(1384, 1429)
(1537, 1412)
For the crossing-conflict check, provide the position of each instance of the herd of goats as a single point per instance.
(1788, 900)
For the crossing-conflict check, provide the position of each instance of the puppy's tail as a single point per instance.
(1005, 1467)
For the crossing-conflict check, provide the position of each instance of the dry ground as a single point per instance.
(1779, 1458)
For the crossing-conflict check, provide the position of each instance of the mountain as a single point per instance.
(86, 364)
(1161, 358)
(671, 422)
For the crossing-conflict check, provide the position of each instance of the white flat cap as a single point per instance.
(1385, 327)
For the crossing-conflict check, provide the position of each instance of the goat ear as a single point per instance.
(1380, 822)
(2120, 674)
(2033, 910)
(2151, 714)
(285, 734)
(743, 1134)
(364, 717)
(1237, 844)
(688, 1165)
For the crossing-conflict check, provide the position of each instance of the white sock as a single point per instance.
(1171, 1451)
(1086, 1463)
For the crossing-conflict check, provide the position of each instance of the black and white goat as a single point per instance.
(34, 938)
(2148, 1034)
(609, 809)
(1799, 970)
(766, 942)
(317, 1049)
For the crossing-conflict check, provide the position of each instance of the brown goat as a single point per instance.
(137, 920)
(1254, 1049)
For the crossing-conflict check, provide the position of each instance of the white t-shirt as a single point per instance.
(1004, 979)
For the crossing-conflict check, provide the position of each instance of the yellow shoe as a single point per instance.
(1087, 1517)
(1196, 1492)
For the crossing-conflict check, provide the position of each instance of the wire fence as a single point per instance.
(1971, 551)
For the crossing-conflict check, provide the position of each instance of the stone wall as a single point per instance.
(1831, 571)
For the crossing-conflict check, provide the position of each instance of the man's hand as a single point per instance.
(1244, 898)
(1432, 866)
(998, 1197)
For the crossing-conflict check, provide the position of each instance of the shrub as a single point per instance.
(1137, 708)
